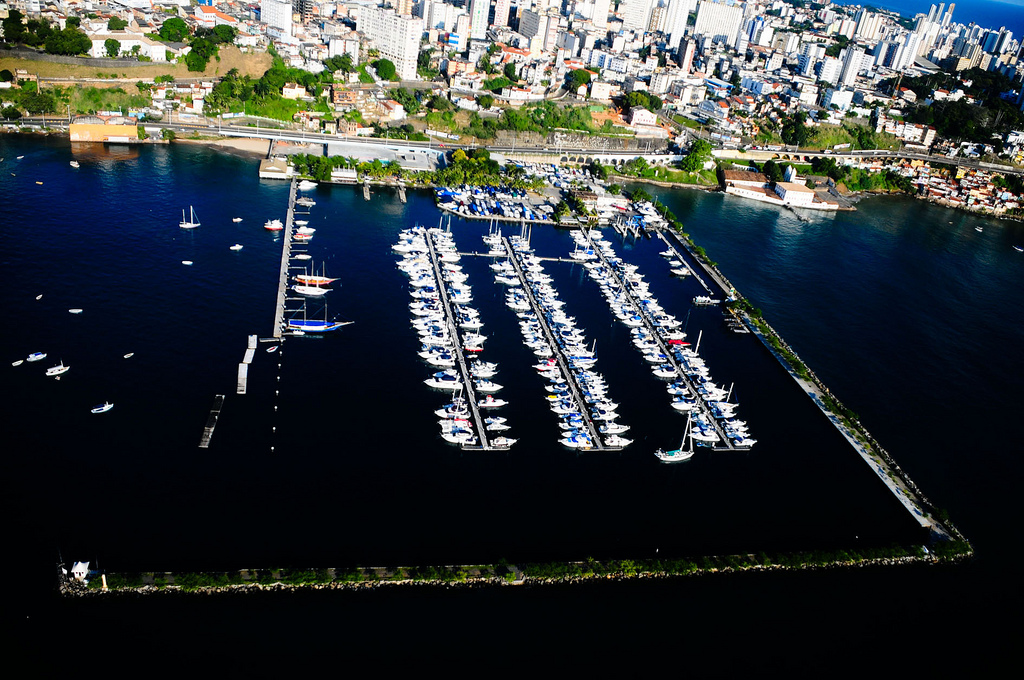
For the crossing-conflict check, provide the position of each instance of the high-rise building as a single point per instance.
(403, 7)
(397, 38)
(719, 20)
(277, 14)
(851, 65)
(601, 13)
(687, 47)
(478, 10)
(675, 20)
(636, 14)
(501, 10)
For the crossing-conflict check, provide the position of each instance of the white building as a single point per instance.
(719, 21)
(478, 11)
(675, 20)
(397, 38)
(277, 15)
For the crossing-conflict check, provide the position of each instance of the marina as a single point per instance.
(342, 396)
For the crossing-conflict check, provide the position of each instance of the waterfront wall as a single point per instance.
(502, 574)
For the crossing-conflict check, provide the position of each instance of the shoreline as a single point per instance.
(240, 145)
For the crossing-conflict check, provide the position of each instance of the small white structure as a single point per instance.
(80, 571)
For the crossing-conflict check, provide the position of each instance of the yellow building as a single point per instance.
(96, 129)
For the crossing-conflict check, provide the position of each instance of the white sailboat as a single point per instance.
(191, 222)
(680, 453)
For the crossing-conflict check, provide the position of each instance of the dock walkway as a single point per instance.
(467, 377)
(211, 421)
(282, 283)
(663, 347)
(563, 363)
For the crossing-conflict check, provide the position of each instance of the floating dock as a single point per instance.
(563, 364)
(671, 358)
(467, 377)
(211, 421)
(282, 283)
(243, 368)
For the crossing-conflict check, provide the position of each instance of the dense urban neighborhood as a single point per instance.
(940, 95)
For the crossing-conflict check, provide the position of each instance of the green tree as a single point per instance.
(174, 30)
(10, 113)
(14, 26)
(224, 33)
(510, 72)
(6, 76)
(485, 101)
(69, 41)
(168, 134)
(74, 21)
(385, 69)
(116, 24)
(700, 153)
(113, 47)
(579, 77)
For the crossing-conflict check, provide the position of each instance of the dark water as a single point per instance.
(900, 312)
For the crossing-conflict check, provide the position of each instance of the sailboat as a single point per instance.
(305, 325)
(191, 222)
(680, 453)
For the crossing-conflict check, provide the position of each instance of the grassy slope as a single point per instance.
(230, 57)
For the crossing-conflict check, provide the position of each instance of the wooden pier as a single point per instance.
(366, 191)
(467, 377)
(679, 257)
(670, 357)
(286, 252)
(211, 421)
(563, 363)
(401, 192)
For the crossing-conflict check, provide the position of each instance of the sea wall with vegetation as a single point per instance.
(504, 573)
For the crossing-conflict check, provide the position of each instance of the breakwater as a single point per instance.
(502, 574)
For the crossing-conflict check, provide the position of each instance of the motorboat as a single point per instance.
(303, 256)
(76, 310)
(19, 362)
(271, 350)
(306, 185)
(191, 222)
(236, 219)
(74, 164)
(305, 202)
(273, 225)
(616, 440)
(58, 369)
(503, 442)
(237, 246)
(187, 263)
(36, 356)
(102, 408)
(129, 355)
(490, 402)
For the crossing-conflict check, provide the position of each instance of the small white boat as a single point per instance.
(273, 225)
(20, 157)
(129, 355)
(74, 164)
(273, 349)
(186, 262)
(36, 356)
(301, 223)
(306, 185)
(1018, 249)
(312, 291)
(102, 408)
(978, 229)
(303, 256)
(237, 246)
(236, 219)
(76, 310)
(58, 369)
(39, 297)
(19, 362)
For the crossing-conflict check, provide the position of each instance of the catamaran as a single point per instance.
(191, 222)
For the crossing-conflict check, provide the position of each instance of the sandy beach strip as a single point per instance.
(244, 144)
